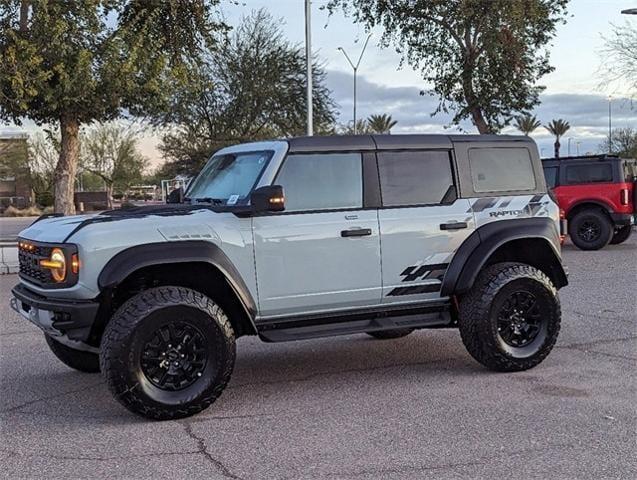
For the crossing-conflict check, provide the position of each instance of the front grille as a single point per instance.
(29, 256)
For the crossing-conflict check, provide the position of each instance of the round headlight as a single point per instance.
(58, 264)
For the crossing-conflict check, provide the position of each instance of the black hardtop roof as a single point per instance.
(582, 158)
(391, 142)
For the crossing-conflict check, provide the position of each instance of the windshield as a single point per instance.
(228, 179)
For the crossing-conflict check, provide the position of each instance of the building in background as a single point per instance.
(15, 178)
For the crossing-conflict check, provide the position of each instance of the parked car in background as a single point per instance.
(598, 195)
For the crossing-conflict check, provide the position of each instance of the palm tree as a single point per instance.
(381, 123)
(362, 128)
(558, 128)
(527, 123)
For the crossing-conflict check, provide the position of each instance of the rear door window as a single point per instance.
(501, 169)
(414, 178)
(593, 173)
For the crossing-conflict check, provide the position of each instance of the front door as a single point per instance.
(323, 252)
(422, 223)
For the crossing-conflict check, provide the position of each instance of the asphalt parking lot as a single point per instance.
(353, 407)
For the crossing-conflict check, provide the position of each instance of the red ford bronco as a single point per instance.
(598, 195)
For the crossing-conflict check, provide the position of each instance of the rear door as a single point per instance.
(323, 252)
(422, 222)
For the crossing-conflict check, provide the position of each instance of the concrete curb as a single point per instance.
(8, 257)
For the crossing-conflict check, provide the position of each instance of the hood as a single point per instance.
(54, 229)
(58, 229)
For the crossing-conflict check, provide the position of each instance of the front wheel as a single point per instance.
(510, 319)
(168, 353)
(621, 235)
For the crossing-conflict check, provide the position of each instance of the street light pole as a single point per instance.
(610, 137)
(355, 68)
(569, 146)
(308, 66)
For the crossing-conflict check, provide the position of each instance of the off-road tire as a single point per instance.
(621, 234)
(598, 221)
(77, 359)
(126, 339)
(480, 307)
(390, 334)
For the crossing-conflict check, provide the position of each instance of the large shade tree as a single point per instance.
(250, 88)
(76, 62)
(482, 58)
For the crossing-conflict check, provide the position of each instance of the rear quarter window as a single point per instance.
(501, 169)
(630, 170)
(593, 173)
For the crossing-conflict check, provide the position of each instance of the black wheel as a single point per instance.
(621, 235)
(77, 359)
(590, 230)
(389, 334)
(168, 353)
(510, 319)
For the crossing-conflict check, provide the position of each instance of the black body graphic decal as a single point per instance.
(415, 289)
(434, 271)
(423, 271)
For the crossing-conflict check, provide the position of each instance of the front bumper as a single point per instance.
(56, 317)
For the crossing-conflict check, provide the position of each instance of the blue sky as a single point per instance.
(572, 90)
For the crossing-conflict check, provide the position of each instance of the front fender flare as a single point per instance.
(128, 261)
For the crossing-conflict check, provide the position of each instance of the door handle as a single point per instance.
(453, 225)
(356, 232)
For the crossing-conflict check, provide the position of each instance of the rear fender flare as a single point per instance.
(476, 250)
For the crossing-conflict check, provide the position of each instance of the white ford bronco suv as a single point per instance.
(302, 238)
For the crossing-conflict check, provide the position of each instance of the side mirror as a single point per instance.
(176, 196)
(268, 199)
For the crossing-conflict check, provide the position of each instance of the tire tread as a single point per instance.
(123, 324)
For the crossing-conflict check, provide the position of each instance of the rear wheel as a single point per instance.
(621, 235)
(77, 359)
(389, 334)
(168, 353)
(590, 230)
(510, 319)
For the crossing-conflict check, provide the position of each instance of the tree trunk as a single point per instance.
(67, 165)
(24, 15)
(557, 149)
(109, 190)
(479, 121)
(469, 95)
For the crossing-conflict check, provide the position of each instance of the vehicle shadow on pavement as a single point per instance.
(266, 377)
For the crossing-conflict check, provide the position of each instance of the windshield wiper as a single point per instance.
(214, 201)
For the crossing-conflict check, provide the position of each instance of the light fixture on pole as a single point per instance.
(355, 68)
(308, 66)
